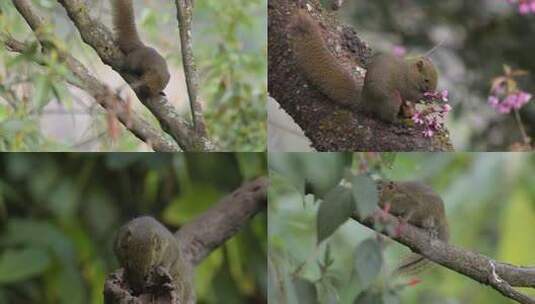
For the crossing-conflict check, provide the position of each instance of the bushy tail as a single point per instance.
(124, 24)
(321, 68)
(412, 264)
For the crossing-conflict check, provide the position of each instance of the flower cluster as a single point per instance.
(505, 95)
(433, 117)
(514, 100)
(524, 6)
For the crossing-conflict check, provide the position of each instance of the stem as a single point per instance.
(525, 137)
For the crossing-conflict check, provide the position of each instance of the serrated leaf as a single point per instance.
(365, 195)
(20, 264)
(305, 291)
(335, 209)
(368, 262)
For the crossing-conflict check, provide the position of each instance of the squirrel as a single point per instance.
(419, 205)
(141, 60)
(143, 246)
(390, 82)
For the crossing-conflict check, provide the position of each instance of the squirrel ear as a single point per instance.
(420, 65)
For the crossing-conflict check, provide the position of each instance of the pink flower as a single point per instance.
(444, 95)
(522, 98)
(399, 51)
(417, 118)
(446, 108)
(493, 101)
(428, 133)
(524, 8)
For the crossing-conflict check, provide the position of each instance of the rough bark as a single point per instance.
(331, 127)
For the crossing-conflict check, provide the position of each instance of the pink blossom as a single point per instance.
(444, 95)
(523, 8)
(428, 133)
(399, 51)
(515, 100)
(417, 118)
(493, 101)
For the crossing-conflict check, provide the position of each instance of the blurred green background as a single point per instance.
(475, 38)
(40, 112)
(59, 214)
(490, 206)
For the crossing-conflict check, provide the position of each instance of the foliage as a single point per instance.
(40, 112)
(234, 71)
(489, 202)
(63, 211)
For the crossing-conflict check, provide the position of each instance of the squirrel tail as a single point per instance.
(320, 67)
(411, 265)
(124, 24)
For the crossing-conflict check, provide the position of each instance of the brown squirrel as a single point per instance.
(143, 246)
(419, 205)
(389, 83)
(141, 60)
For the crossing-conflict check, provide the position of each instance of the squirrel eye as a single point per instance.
(426, 80)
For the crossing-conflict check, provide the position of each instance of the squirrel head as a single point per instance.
(421, 77)
(138, 245)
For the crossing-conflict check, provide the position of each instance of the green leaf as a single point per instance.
(324, 171)
(305, 291)
(391, 297)
(20, 264)
(388, 159)
(42, 90)
(321, 171)
(365, 195)
(369, 297)
(206, 272)
(368, 262)
(38, 233)
(70, 286)
(192, 203)
(335, 209)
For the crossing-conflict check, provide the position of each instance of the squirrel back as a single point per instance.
(124, 23)
(141, 60)
(389, 81)
(318, 64)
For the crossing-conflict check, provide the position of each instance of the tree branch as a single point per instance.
(480, 268)
(101, 40)
(184, 15)
(201, 236)
(100, 92)
(331, 127)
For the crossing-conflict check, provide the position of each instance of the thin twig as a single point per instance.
(184, 17)
(525, 136)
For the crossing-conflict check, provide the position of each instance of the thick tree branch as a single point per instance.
(480, 268)
(184, 15)
(100, 92)
(101, 40)
(331, 127)
(199, 237)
